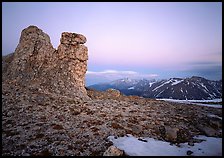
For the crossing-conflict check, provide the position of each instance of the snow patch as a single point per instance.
(195, 102)
(204, 87)
(150, 84)
(215, 116)
(181, 90)
(131, 88)
(211, 100)
(159, 93)
(176, 82)
(135, 147)
(162, 85)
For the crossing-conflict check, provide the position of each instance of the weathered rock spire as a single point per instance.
(35, 63)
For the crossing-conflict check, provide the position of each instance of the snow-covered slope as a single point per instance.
(196, 88)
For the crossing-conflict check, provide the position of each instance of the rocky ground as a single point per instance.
(37, 122)
(46, 110)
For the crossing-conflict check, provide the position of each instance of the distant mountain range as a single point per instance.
(194, 88)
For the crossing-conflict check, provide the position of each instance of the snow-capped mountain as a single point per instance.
(175, 88)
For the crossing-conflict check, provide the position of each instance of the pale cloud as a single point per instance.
(131, 74)
(112, 72)
(93, 77)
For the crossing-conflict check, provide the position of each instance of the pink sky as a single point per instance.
(168, 39)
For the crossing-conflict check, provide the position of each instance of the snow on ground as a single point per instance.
(209, 105)
(131, 88)
(134, 147)
(211, 100)
(159, 93)
(215, 116)
(150, 84)
(204, 87)
(196, 102)
(176, 82)
(162, 85)
(181, 90)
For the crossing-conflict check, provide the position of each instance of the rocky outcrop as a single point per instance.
(109, 94)
(35, 63)
(113, 93)
(73, 57)
(33, 50)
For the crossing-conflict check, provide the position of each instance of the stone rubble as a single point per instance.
(47, 111)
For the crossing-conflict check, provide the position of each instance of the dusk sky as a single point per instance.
(138, 40)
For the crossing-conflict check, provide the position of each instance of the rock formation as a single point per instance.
(36, 63)
(46, 109)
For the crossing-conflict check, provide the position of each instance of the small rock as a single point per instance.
(216, 123)
(191, 143)
(142, 140)
(189, 152)
(198, 140)
(44, 152)
(210, 132)
(113, 151)
(58, 127)
(136, 129)
(171, 133)
(116, 125)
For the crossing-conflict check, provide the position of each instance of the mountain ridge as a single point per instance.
(194, 87)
